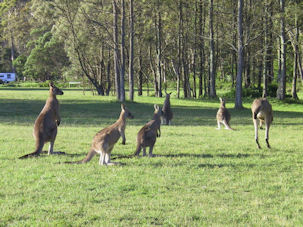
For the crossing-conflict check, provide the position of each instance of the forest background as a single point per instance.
(254, 47)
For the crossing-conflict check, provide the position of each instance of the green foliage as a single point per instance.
(250, 92)
(42, 62)
(272, 89)
(19, 63)
(5, 65)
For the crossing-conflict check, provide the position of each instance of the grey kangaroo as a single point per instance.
(45, 128)
(148, 133)
(167, 112)
(223, 116)
(105, 140)
(262, 111)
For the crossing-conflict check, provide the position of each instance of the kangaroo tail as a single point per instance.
(227, 125)
(137, 152)
(88, 157)
(255, 113)
(33, 154)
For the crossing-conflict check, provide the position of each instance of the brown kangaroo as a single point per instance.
(148, 133)
(45, 128)
(167, 115)
(223, 116)
(105, 140)
(262, 111)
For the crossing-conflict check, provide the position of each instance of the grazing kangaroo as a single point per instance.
(105, 140)
(148, 133)
(223, 116)
(45, 128)
(167, 115)
(262, 111)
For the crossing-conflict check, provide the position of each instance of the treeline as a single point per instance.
(182, 45)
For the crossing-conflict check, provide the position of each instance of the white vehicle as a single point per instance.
(7, 77)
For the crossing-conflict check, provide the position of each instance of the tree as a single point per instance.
(116, 50)
(42, 62)
(282, 80)
(238, 101)
(212, 70)
(159, 48)
(131, 51)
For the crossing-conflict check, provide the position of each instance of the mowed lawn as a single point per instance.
(202, 176)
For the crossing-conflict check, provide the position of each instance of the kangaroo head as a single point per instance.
(158, 110)
(126, 112)
(54, 90)
(168, 95)
(222, 101)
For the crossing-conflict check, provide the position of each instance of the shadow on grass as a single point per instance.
(92, 112)
(44, 154)
(212, 166)
(205, 156)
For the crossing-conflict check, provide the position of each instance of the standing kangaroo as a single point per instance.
(223, 116)
(45, 128)
(148, 133)
(262, 111)
(105, 140)
(167, 112)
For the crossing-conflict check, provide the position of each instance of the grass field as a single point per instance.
(202, 177)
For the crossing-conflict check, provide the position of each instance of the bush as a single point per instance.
(251, 92)
(272, 90)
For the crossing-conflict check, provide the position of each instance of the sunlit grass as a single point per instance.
(202, 176)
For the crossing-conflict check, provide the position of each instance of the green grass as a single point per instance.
(203, 177)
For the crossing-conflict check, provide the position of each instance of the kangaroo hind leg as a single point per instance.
(266, 134)
(256, 132)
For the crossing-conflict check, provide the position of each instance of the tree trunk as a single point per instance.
(248, 52)
(296, 50)
(270, 45)
(108, 74)
(140, 74)
(212, 73)
(235, 37)
(153, 70)
(238, 101)
(180, 33)
(159, 50)
(122, 73)
(260, 66)
(265, 51)
(131, 52)
(282, 82)
(201, 44)
(12, 54)
(195, 51)
(116, 49)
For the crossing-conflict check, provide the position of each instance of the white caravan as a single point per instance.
(7, 77)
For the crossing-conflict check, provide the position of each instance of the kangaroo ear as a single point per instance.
(122, 106)
(220, 99)
(51, 84)
(156, 107)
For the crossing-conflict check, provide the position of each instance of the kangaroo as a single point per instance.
(105, 140)
(223, 116)
(45, 128)
(167, 112)
(262, 111)
(148, 133)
